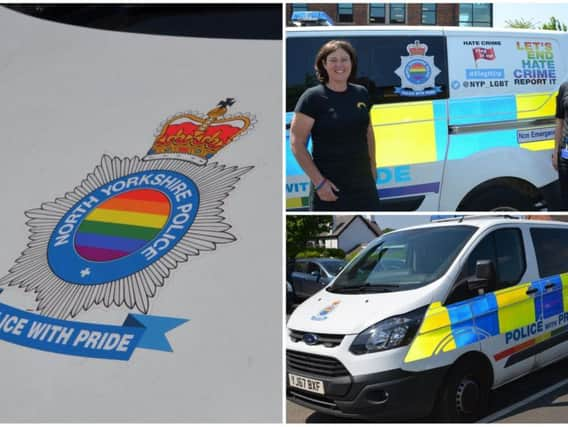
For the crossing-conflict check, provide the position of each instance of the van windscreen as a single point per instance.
(403, 260)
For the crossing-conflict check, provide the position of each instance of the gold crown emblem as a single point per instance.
(417, 48)
(196, 138)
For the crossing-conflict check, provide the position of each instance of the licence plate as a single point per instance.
(308, 384)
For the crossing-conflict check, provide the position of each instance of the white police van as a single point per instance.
(404, 329)
(463, 118)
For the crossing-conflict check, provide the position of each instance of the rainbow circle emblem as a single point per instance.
(122, 227)
(417, 71)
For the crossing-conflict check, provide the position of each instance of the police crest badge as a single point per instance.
(417, 72)
(114, 239)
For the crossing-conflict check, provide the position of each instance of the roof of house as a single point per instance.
(347, 220)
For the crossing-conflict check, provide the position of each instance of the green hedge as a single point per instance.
(352, 255)
(321, 253)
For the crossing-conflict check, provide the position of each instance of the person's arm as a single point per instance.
(557, 141)
(299, 132)
(371, 144)
(558, 131)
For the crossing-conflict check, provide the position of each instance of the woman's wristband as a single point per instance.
(320, 185)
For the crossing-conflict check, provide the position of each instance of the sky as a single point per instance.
(396, 221)
(538, 12)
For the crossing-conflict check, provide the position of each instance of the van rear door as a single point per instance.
(551, 252)
(501, 118)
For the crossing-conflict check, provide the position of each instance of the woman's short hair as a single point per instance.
(328, 48)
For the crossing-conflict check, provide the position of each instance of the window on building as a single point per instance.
(428, 14)
(377, 13)
(466, 15)
(476, 15)
(397, 13)
(345, 12)
(299, 7)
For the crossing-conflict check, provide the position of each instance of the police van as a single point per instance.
(404, 330)
(463, 118)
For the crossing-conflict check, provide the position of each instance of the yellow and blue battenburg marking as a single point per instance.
(406, 133)
(409, 134)
(479, 111)
(417, 133)
(530, 324)
(298, 182)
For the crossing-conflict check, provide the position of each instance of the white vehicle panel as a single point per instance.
(327, 312)
(496, 64)
(71, 95)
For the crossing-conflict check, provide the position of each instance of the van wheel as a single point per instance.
(465, 394)
(498, 198)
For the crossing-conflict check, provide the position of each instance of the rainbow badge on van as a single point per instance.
(322, 315)
(115, 239)
(417, 72)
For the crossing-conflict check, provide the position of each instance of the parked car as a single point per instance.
(290, 263)
(309, 275)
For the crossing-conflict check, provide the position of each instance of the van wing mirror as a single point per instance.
(484, 269)
(484, 276)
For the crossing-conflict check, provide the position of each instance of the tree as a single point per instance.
(554, 24)
(301, 229)
(520, 23)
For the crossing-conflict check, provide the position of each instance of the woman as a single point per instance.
(336, 114)
(560, 153)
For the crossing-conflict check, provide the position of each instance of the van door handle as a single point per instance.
(549, 286)
(532, 291)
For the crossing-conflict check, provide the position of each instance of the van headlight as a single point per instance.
(390, 333)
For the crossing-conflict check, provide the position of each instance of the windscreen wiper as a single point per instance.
(367, 287)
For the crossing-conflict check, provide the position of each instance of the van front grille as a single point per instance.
(315, 364)
(327, 340)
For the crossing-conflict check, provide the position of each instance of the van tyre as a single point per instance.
(499, 198)
(465, 393)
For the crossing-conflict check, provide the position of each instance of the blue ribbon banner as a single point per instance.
(417, 93)
(86, 339)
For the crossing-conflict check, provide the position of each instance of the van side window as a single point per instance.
(484, 250)
(504, 247)
(379, 58)
(511, 263)
(551, 247)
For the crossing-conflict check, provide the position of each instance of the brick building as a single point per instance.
(445, 14)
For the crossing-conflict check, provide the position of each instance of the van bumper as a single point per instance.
(395, 394)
